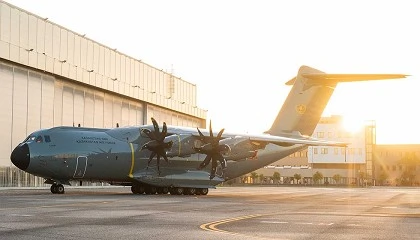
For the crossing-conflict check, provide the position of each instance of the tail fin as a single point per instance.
(308, 97)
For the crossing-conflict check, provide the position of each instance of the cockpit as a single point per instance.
(37, 138)
(21, 156)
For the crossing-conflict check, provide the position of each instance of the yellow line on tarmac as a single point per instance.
(212, 226)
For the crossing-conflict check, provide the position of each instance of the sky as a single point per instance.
(240, 53)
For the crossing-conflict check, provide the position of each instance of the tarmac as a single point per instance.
(225, 213)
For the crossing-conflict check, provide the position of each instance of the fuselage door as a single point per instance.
(81, 164)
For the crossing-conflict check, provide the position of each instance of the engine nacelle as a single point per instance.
(240, 148)
(182, 145)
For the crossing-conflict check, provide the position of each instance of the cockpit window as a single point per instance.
(39, 139)
(30, 138)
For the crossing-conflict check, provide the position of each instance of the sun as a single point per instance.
(353, 124)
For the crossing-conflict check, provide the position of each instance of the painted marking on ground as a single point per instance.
(212, 226)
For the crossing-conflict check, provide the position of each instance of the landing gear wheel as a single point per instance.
(57, 188)
(60, 189)
(189, 191)
(177, 191)
(164, 190)
(137, 189)
(151, 190)
(53, 188)
(203, 191)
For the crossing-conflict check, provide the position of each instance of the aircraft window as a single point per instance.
(47, 138)
(29, 138)
(39, 139)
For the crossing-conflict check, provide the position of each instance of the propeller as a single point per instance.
(213, 151)
(156, 144)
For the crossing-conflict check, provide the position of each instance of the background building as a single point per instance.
(51, 76)
(352, 164)
(363, 162)
(397, 164)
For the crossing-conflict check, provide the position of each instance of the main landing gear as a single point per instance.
(57, 188)
(152, 190)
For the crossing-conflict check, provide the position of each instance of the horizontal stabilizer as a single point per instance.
(324, 77)
(309, 95)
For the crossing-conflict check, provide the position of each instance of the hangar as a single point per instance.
(51, 76)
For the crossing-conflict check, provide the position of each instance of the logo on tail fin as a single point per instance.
(301, 109)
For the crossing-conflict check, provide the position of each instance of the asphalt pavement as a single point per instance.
(225, 213)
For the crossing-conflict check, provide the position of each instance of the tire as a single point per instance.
(59, 189)
(151, 190)
(162, 190)
(53, 188)
(165, 190)
(137, 189)
(189, 191)
(204, 191)
(177, 191)
(134, 189)
(141, 189)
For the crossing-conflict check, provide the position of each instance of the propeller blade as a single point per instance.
(219, 136)
(149, 133)
(211, 131)
(221, 159)
(213, 151)
(213, 168)
(164, 132)
(158, 162)
(201, 134)
(157, 144)
(155, 126)
(152, 155)
(165, 157)
(204, 163)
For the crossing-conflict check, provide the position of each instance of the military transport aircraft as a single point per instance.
(126, 155)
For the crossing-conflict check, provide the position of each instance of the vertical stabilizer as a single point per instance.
(308, 97)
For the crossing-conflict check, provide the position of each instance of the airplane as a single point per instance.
(126, 155)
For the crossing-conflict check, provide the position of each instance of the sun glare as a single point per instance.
(353, 124)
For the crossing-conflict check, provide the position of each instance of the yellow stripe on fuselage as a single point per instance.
(130, 174)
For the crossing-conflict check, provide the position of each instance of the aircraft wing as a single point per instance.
(291, 140)
(264, 139)
(238, 147)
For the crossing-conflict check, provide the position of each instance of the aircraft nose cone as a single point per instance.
(20, 156)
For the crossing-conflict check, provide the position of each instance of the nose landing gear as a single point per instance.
(57, 188)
